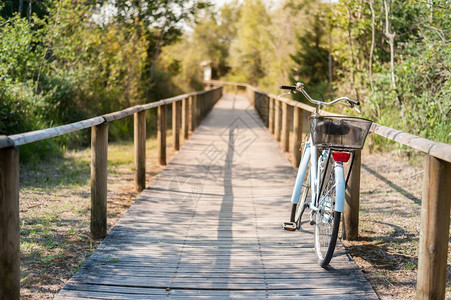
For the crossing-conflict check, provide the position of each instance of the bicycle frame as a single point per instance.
(309, 156)
(327, 179)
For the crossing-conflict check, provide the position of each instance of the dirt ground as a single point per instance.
(390, 202)
(389, 223)
(55, 203)
(55, 213)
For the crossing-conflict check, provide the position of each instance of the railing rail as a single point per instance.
(436, 199)
(188, 112)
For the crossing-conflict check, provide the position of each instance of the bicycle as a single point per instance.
(322, 176)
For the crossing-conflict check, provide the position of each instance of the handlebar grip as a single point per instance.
(288, 87)
(355, 102)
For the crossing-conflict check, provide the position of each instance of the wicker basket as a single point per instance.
(339, 132)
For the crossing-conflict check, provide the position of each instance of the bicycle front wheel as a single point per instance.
(327, 221)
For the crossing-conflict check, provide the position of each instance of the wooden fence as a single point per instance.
(188, 110)
(276, 114)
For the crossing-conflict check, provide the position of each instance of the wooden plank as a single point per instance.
(9, 224)
(122, 113)
(178, 98)
(5, 142)
(39, 135)
(293, 103)
(120, 291)
(99, 162)
(229, 241)
(140, 150)
(164, 102)
(352, 201)
(161, 135)
(439, 150)
(434, 230)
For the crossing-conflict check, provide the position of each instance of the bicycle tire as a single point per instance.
(297, 210)
(327, 221)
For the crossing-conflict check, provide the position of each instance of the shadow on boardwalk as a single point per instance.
(218, 235)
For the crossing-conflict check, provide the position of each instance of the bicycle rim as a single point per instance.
(327, 221)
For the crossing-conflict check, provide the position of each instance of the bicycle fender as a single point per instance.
(303, 165)
(340, 187)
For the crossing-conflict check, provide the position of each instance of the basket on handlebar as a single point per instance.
(339, 132)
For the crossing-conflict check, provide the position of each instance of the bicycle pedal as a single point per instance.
(290, 226)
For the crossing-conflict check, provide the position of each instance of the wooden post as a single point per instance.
(202, 106)
(199, 100)
(140, 150)
(9, 224)
(192, 113)
(185, 118)
(278, 120)
(99, 162)
(434, 229)
(297, 140)
(253, 96)
(286, 120)
(176, 124)
(161, 134)
(271, 115)
(352, 201)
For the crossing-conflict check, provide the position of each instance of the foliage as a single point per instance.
(248, 52)
(209, 41)
(311, 59)
(63, 61)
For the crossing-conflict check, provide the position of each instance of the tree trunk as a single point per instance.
(353, 63)
(391, 43)
(29, 11)
(20, 7)
(373, 32)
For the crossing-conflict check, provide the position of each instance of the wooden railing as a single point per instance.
(188, 110)
(276, 114)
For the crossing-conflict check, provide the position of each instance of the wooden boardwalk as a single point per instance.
(209, 226)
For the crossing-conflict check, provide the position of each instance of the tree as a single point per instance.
(248, 58)
(161, 22)
(24, 8)
(311, 57)
(210, 39)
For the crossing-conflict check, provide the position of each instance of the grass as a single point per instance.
(54, 208)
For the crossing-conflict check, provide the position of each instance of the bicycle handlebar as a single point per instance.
(300, 88)
(288, 87)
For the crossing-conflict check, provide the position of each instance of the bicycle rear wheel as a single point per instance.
(297, 210)
(327, 221)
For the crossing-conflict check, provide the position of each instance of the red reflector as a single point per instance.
(341, 156)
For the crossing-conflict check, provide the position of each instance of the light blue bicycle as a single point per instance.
(320, 181)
